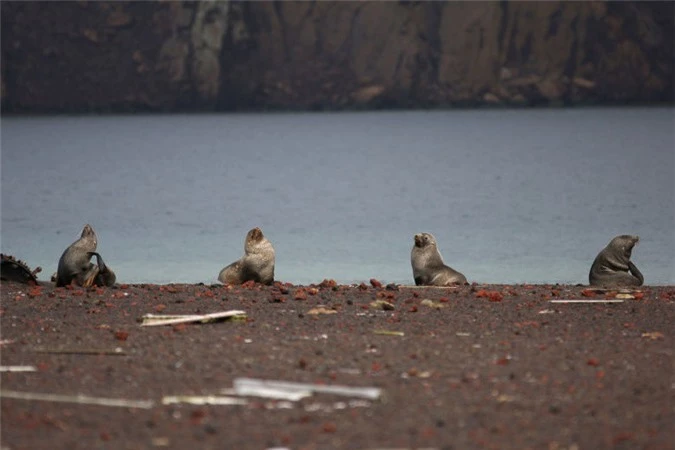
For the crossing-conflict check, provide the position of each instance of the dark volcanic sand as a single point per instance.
(481, 372)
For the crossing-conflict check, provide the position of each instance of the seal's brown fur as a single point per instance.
(613, 267)
(74, 265)
(427, 264)
(257, 264)
(104, 274)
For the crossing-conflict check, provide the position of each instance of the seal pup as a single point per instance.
(427, 264)
(104, 274)
(257, 264)
(74, 263)
(613, 267)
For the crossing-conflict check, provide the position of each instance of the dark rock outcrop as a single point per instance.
(167, 56)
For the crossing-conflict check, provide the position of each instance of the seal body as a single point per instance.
(613, 267)
(428, 266)
(74, 265)
(257, 264)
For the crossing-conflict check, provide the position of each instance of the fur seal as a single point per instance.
(74, 263)
(427, 264)
(257, 264)
(104, 274)
(613, 267)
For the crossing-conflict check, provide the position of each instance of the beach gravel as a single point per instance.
(478, 366)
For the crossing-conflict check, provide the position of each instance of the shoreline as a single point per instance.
(363, 285)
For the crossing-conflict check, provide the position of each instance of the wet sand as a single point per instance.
(473, 367)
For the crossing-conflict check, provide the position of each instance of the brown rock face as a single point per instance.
(122, 56)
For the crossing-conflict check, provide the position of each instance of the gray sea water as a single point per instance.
(511, 195)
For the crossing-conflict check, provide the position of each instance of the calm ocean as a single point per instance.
(512, 196)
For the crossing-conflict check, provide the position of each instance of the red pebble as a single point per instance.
(495, 296)
(375, 283)
(329, 427)
(121, 335)
(328, 283)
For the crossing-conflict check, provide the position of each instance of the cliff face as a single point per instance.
(119, 56)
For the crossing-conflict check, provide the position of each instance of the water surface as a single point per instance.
(511, 195)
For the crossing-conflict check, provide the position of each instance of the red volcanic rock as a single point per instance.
(121, 335)
(328, 283)
(493, 296)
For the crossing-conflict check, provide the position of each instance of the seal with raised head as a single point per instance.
(613, 267)
(257, 264)
(75, 266)
(428, 266)
(74, 263)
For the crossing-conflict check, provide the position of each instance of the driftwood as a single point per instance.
(18, 369)
(202, 400)
(154, 320)
(248, 386)
(84, 351)
(584, 301)
(79, 399)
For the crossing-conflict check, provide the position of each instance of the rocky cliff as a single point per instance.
(226, 55)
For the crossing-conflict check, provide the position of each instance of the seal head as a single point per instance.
(428, 266)
(613, 267)
(257, 264)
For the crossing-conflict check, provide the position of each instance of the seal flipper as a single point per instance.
(636, 273)
(230, 274)
(104, 276)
